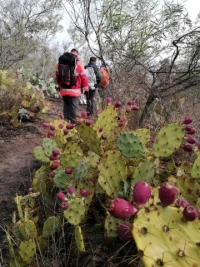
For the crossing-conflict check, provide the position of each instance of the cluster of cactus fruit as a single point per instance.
(103, 158)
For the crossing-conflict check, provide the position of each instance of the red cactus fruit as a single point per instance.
(70, 126)
(53, 157)
(64, 205)
(88, 122)
(108, 100)
(61, 116)
(79, 121)
(71, 190)
(123, 119)
(121, 209)
(190, 213)
(104, 136)
(56, 152)
(132, 102)
(100, 129)
(51, 133)
(61, 196)
(124, 231)
(190, 139)
(54, 165)
(182, 202)
(84, 192)
(128, 110)
(61, 125)
(167, 194)
(118, 104)
(68, 170)
(141, 193)
(151, 139)
(192, 131)
(45, 124)
(129, 103)
(187, 120)
(51, 174)
(187, 148)
(83, 114)
(65, 131)
(187, 127)
(120, 124)
(134, 107)
(52, 127)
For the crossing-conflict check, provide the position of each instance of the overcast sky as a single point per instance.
(193, 7)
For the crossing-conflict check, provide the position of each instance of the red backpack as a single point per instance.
(105, 77)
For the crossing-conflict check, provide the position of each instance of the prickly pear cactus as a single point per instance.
(27, 250)
(111, 225)
(81, 170)
(75, 213)
(196, 168)
(168, 140)
(144, 172)
(79, 238)
(51, 225)
(62, 179)
(163, 238)
(130, 145)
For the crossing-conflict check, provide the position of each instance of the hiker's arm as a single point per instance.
(98, 74)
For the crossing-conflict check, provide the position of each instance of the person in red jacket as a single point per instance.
(71, 95)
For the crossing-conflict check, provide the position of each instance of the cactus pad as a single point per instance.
(111, 225)
(51, 225)
(143, 172)
(49, 145)
(27, 250)
(62, 179)
(40, 155)
(79, 238)
(143, 135)
(168, 140)
(70, 159)
(75, 212)
(130, 145)
(196, 168)
(81, 170)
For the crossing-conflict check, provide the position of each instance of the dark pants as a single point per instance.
(91, 105)
(70, 106)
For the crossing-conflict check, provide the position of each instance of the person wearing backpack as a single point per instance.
(105, 76)
(71, 79)
(94, 78)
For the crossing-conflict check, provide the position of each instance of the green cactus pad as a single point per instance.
(59, 138)
(111, 225)
(90, 137)
(168, 140)
(112, 171)
(143, 135)
(75, 212)
(108, 121)
(27, 250)
(79, 239)
(49, 145)
(195, 173)
(130, 145)
(40, 155)
(90, 187)
(39, 181)
(163, 238)
(51, 225)
(72, 147)
(93, 157)
(81, 170)
(62, 179)
(144, 172)
(70, 160)
(27, 229)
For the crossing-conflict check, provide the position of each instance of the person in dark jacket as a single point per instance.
(91, 94)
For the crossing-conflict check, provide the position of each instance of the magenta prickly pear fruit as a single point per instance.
(70, 126)
(51, 133)
(108, 100)
(71, 190)
(65, 131)
(104, 136)
(129, 103)
(61, 116)
(79, 121)
(121, 209)
(88, 122)
(120, 124)
(190, 213)
(187, 120)
(52, 127)
(51, 174)
(187, 148)
(84, 192)
(100, 129)
(64, 205)
(61, 196)
(141, 193)
(182, 202)
(118, 104)
(45, 124)
(151, 139)
(192, 131)
(190, 139)
(61, 125)
(167, 194)
(68, 170)
(84, 114)
(128, 110)
(187, 127)
(123, 119)
(124, 231)
(56, 152)
(134, 107)
(53, 157)
(54, 165)
(132, 102)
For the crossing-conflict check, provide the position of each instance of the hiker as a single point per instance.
(105, 76)
(71, 80)
(94, 78)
